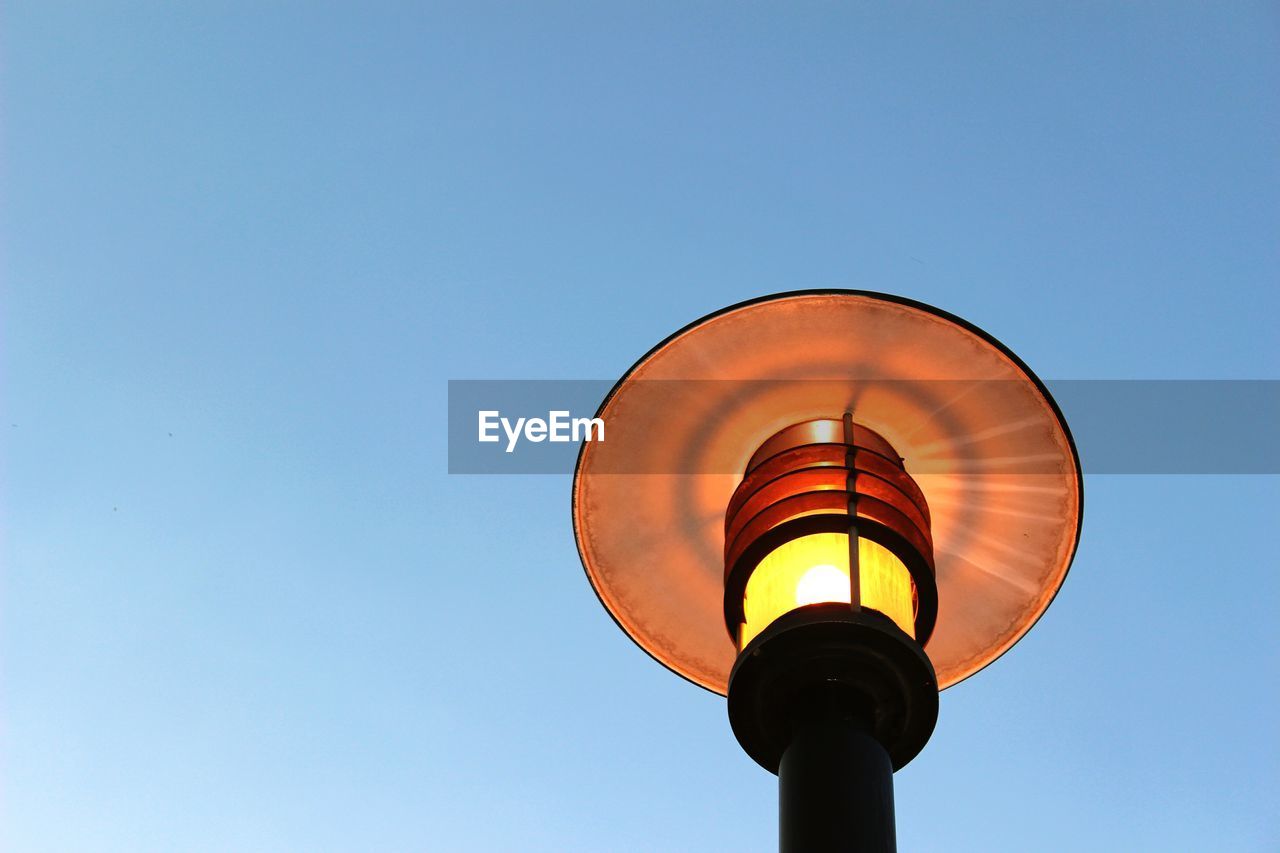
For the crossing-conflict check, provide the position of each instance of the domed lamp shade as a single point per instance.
(988, 448)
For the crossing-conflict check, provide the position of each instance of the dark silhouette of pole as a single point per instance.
(835, 789)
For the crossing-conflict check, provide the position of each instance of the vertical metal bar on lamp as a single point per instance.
(851, 486)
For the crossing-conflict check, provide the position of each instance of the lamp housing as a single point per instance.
(826, 512)
(829, 591)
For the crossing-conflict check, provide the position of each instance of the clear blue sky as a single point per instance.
(245, 246)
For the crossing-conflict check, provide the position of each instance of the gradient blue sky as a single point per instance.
(245, 246)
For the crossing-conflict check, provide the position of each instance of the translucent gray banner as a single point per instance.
(502, 426)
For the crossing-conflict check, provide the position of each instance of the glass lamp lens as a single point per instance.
(814, 569)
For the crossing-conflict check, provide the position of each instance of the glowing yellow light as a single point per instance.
(815, 569)
(822, 583)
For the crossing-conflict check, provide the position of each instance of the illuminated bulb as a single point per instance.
(822, 583)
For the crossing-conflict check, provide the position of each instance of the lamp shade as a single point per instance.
(987, 447)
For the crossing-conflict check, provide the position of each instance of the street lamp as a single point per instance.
(828, 506)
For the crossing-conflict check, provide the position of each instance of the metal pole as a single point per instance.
(835, 789)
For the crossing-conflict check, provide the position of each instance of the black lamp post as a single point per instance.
(753, 525)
